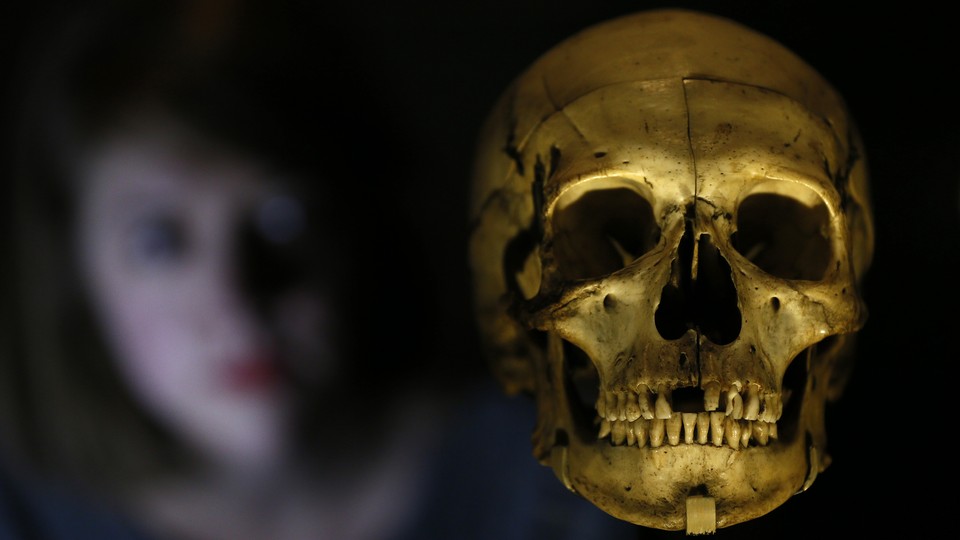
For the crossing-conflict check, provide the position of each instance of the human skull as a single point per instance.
(670, 224)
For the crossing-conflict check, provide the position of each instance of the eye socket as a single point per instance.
(602, 231)
(783, 236)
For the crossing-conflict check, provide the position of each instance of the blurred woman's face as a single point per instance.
(195, 262)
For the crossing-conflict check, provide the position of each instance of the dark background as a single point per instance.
(442, 66)
(434, 70)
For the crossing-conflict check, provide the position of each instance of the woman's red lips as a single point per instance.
(258, 372)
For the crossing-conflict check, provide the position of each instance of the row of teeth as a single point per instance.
(690, 428)
(746, 405)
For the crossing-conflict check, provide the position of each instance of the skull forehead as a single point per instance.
(668, 44)
(643, 139)
(744, 134)
(677, 139)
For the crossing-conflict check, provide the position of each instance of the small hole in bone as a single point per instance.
(599, 155)
(609, 302)
(784, 236)
(775, 303)
(599, 231)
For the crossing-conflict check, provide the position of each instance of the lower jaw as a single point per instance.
(650, 485)
(646, 471)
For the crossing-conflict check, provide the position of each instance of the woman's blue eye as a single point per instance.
(157, 240)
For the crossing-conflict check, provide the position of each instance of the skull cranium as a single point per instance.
(671, 221)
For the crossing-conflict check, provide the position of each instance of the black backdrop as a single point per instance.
(434, 70)
(890, 436)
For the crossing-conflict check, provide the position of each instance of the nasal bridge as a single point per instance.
(700, 294)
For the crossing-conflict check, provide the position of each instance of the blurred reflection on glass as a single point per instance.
(192, 336)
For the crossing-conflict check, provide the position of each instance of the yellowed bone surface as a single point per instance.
(671, 222)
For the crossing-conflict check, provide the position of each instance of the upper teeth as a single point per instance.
(644, 417)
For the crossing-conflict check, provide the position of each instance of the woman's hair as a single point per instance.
(269, 82)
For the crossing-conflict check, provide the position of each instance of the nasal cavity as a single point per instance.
(700, 294)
